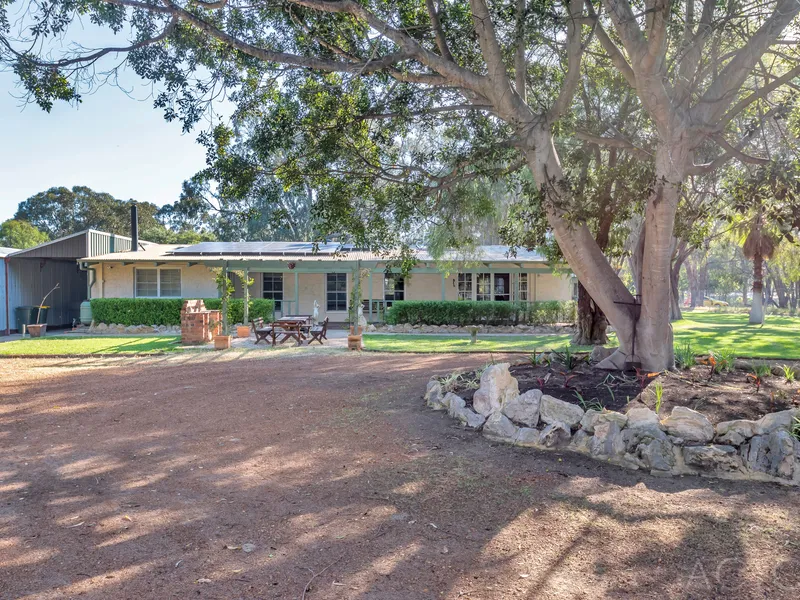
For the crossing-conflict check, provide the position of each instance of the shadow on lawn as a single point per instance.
(133, 480)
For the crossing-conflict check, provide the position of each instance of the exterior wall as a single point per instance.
(3, 324)
(549, 286)
(428, 286)
(30, 279)
(115, 280)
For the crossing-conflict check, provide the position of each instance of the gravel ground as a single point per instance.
(321, 475)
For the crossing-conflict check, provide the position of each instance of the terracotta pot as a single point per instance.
(354, 342)
(37, 330)
(242, 331)
(222, 342)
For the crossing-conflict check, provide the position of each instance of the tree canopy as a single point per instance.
(16, 233)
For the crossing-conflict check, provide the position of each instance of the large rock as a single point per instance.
(553, 411)
(499, 428)
(656, 454)
(496, 388)
(639, 418)
(614, 362)
(453, 403)
(689, 424)
(607, 440)
(781, 454)
(755, 453)
(524, 408)
(528, 436)
(734, 433)
(592, 418)
(467, 417)
(434, 395)
(600, 353)
(648, 446)
(716, 457)
(555, 434)
(773, 421)
(580, 441)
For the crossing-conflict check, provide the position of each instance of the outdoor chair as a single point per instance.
(262, 332)
(319, 332)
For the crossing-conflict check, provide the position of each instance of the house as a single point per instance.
(28, 275)
(295, 274)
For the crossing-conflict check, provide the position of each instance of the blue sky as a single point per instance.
(110, 142)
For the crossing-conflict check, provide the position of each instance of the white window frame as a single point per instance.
(490, 292)
(158, 280)
(346, 292)
(464, 286)
(523, 289)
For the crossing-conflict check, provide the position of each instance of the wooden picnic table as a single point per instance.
(293, 327)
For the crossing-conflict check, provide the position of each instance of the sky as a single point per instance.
(110, 142)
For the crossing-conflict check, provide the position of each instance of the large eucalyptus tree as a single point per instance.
(494, 81)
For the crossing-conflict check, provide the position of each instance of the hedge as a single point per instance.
(167, 311)
(461, 313)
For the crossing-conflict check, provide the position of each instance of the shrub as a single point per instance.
(463, 313)
(167, 311)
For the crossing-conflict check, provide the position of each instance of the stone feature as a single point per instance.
(592, 418)
(716, 457)
(680, 444)
(497, 387)
(524, 408)
(642, 417)
(689, 424)
(433, 395)
(555, 411)
(601, 353)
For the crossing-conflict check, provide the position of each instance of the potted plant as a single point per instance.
(38, 329)
(243, 330)
(222, 340)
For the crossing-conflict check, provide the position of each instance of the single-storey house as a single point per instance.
(295, 275)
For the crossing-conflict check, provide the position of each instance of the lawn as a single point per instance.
(778, 338)
(90, 345)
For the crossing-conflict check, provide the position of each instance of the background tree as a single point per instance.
(15, 233)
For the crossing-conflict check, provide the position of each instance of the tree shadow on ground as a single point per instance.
(146, 478)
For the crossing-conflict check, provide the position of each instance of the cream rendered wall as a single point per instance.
(548, 286)
(428, 286)
(115, 280)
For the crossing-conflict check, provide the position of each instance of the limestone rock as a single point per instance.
(555, 434)
(580, 441)
(639, 418)
(734, 433)
(467, 417)
(528, 436)
(553, 411)
(496, 388)
(607, 440)
(499, 428)
(781, 454)
(755, 453)
(716, 457)
(656, 454)
(773, 421)
(434, 395)
(453, 403)
(524, 408)
(689, 424)
(601, 352)
(614, 362)
(592, 418)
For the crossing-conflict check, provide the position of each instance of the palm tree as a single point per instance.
(758, 246)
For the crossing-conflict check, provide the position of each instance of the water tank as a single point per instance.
(86, 312)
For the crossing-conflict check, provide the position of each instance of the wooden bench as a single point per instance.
(319, 332)
(263, 332)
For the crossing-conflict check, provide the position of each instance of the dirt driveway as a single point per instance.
(234, 477)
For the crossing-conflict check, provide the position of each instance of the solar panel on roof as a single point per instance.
(259, 248)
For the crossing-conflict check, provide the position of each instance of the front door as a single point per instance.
(502, 287)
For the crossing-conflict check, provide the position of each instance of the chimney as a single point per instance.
(134, 227)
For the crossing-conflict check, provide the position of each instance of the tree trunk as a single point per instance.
(744, 283)
(592, 323)
(757, 310)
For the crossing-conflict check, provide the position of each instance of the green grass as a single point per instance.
(460, 343)
(779, 338)
(90, 345)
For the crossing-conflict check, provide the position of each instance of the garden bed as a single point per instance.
(724, 397)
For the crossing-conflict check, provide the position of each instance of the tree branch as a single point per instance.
(613, 51)
(614, 142)
(574, 55)
(758, 95)
(436, 24)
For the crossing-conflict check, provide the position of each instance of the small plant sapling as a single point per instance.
(789, 374)
(658, 392)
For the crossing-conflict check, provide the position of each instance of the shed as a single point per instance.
(33, 272)
(3, 279)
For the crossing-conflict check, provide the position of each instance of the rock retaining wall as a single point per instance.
(684, 443)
